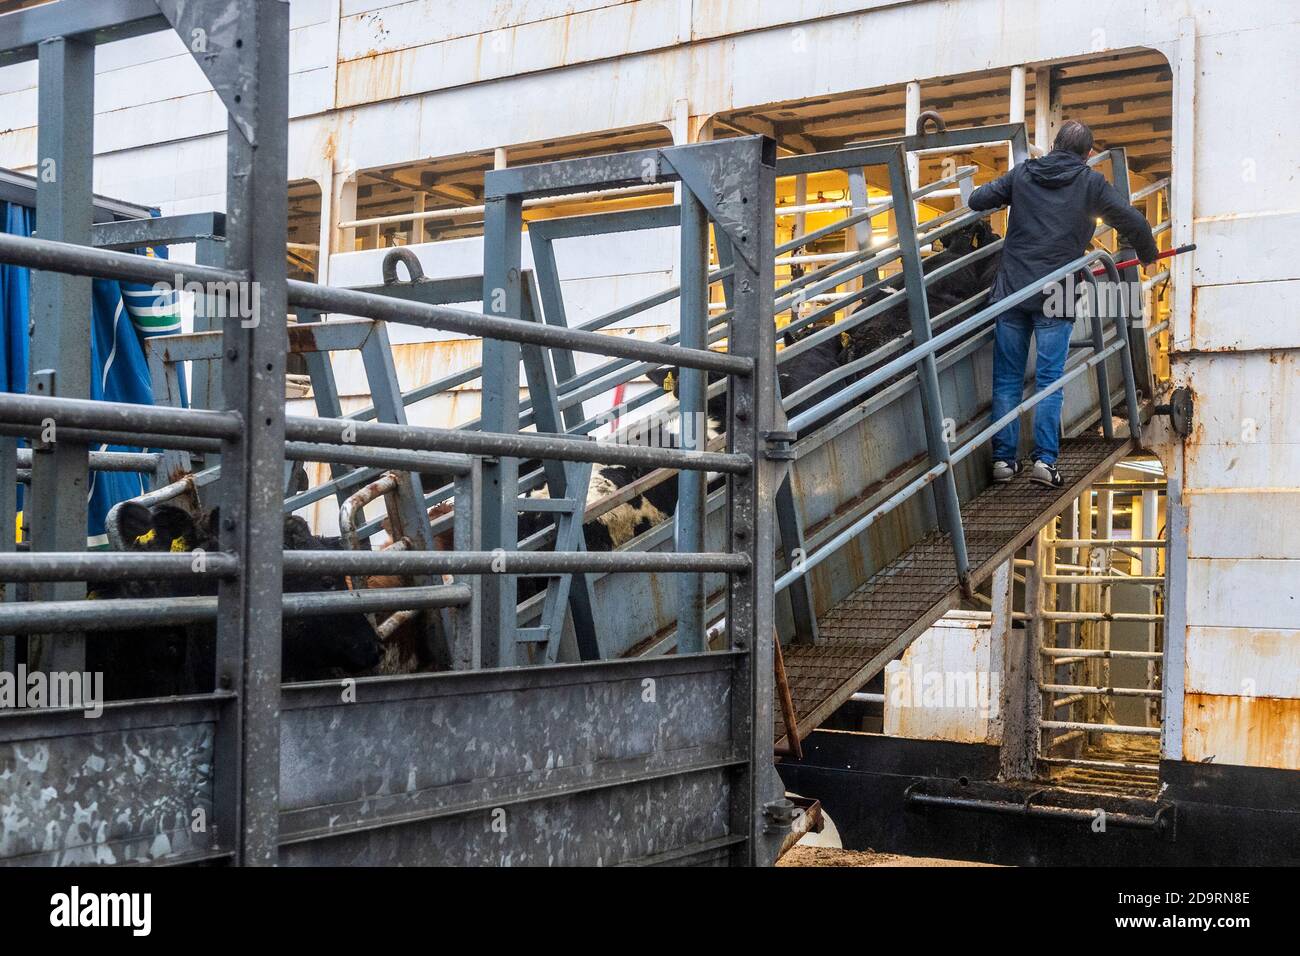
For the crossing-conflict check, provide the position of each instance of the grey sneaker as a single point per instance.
(1004, 471)
(1045, 474)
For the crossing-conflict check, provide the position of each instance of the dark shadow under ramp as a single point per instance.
(876, 623)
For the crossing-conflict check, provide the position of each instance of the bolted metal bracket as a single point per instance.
(779, 816)
(715, 177)
(1180, 409)
(779, 445)
(216, 36)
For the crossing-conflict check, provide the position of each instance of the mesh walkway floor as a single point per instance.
(874, 624)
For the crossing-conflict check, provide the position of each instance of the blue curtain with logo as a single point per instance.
(123, 315)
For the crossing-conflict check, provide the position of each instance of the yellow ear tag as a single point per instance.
(845, 339)
(178, 545)
(669, 383)
(146, 537)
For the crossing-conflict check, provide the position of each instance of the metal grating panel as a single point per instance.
(875, 623)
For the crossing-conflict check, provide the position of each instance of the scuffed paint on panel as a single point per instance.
(1244, 731)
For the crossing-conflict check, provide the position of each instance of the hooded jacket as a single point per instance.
(1055, 203)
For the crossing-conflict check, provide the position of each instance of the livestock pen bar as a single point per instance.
(295, 774)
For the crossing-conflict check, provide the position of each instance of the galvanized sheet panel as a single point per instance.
(129, 786)
(677, 817)
(621, 750)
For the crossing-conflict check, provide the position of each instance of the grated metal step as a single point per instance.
(875, 623)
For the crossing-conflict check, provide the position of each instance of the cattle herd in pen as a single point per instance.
(179, 659)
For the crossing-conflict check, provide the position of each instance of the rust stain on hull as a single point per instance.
(1243, 731)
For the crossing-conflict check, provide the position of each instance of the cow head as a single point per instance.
(969, 280)
(669, 379)
(160, 528)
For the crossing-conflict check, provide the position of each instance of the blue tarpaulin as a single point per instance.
(123, 314)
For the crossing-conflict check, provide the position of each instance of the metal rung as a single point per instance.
(1102, 580)
(1099, 728)
(1108, 691)
(1086, 652)
(533, 635)
(1067, 701)
(1099, 616)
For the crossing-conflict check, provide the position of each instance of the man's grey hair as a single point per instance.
(1074, 137)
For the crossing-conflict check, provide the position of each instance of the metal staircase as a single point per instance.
(875, 623)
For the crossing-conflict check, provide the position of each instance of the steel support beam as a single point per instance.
(57, 509)
(692, 401)
(502, 225)
(255, 37)
(947, 502)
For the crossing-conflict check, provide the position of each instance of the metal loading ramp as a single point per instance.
(876, 622)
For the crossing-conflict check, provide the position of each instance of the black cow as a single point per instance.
(182, 659)
(941, 295)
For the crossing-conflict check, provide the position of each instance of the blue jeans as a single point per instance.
(1010, 353)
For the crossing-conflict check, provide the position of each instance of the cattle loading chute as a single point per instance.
(662, 567)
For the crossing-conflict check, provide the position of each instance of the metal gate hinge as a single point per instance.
(778, 445)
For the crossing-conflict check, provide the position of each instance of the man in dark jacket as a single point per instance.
(1055, 202)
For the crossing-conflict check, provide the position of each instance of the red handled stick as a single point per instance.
(1167, 254)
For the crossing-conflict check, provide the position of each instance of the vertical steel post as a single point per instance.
(56, 509)
(693, 431)
(860, 237)
(1100, 297)
(1150, 529)
(1126, 357)
(1106, 529)
(8, 544)
(467, 640)
(252, 524)
(751, 163)
(1044, 121)
(1019, 705)
(1036, 631)
(911, 113)
(502, 225)
(947, 502)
